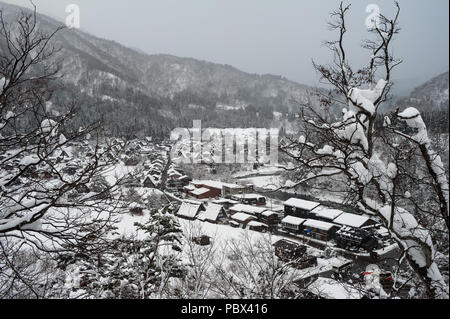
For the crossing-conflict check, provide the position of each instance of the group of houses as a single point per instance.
(311, 219)
(238, 206)
(208, 189)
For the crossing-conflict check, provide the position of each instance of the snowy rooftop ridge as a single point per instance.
(318, 224)
(211, 213)
(293, 220)
(188, 210)
(301, 203)
(242, 217)
(352, 220)
(325, 212)
(248, 209)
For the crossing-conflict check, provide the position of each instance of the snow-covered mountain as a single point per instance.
(151, 94)
(434, 92)
(432, 96)
(91, 62)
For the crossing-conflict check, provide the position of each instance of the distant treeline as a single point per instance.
(130, 113)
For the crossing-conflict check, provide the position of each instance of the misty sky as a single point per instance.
(263, 36)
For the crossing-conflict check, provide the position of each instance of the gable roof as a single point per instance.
(318, 224)
(352, 220)
(293, 220)
(248, 209)
(212, 212)
(188, 210)
(325, 212)
(242, 217)
(301, 203)
(255, 223)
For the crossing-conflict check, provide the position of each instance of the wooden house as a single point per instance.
(353, 220)
(299, 208)
(250, 199)
(202, 193)
(257, 226)
(214, 189)
(319, 230)
(229, 190)
(350, 237)
(189, 210)
(242, 219)
(214, 213)
(269, 218)
(292, 224)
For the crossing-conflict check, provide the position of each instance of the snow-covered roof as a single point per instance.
(325, 212)
(301, 203)
(188, 210)
(254, 223)
(268, 213)
(293, 220)
(200, 191)
(242, 217)
(212, 212)
(318, 224)
(248, 209)
(352, 220)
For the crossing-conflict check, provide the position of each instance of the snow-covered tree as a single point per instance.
(250, 269)
(381, 167)
(37, 213)
(137, 267)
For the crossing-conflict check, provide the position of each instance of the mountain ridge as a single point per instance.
(149, 93)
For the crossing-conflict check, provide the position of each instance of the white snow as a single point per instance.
(301, 203)
(352, 220)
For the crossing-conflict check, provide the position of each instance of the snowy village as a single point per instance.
(110, 189)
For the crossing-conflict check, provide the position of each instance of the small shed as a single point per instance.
(270, 218)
